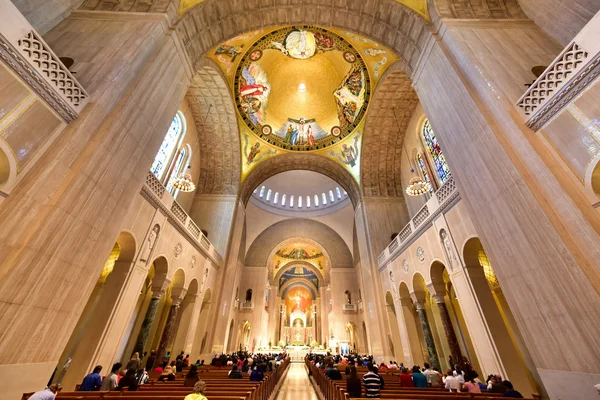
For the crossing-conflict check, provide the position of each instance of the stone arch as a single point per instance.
(387, 21)
(320, 275)
(193, 287)
(262, 247)
(161, 268)
(392, 106)
(178, 279)
(300, 161)
(323, 275)
(214, 114)
(298, 282)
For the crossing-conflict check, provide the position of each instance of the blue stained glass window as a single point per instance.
(269, 195)
(331, 198)
(439, 161)
(424, 172)
(339, 194)
(324, 198)
(167, 148)
(262, 192)
(276, 198)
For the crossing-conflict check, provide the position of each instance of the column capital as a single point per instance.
(420, 304)
(158, 289)
(177, 295)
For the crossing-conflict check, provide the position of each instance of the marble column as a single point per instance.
(448, 328)
(169, 325)
(157, 293)
(433, 357)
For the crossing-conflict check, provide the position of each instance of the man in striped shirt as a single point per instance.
(372, 382)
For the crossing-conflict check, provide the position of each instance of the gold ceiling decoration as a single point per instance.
(419, 6)
(287, 95)
(302, 88)
(298, 252)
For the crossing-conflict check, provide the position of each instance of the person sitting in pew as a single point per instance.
(48, 394)
(167, 375)
(111, 380)
(471, 387)
(333, 373)
(418, 378)
(372, 382)
(510, 391)
(235, 373)
(376, 371)
(92, 381)
(452, 382)
(192, 377)
(257, 375)
(353, 386)
(198, 393)
(405, 378)
(129, 381)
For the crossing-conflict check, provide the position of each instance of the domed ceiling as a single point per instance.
(298, 252)
(302, 88)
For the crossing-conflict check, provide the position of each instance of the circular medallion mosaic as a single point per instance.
(302, 88)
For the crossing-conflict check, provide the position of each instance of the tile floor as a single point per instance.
(296, 385)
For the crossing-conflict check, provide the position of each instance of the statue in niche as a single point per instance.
(149, 245)
(448, 250)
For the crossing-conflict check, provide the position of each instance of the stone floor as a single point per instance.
(296, 385)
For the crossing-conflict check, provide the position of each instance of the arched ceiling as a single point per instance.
(392, 107)
(387, 21)
(219, 139)
(299, 161)
(477, 9)
(330, 240)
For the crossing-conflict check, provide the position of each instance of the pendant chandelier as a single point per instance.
(183, 182)
(417, 185)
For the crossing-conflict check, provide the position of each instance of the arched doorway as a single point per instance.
(199, 346)
(80, 354)
(412, 348)
(394, 334)
(501, 323)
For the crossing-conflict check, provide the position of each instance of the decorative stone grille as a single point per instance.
(405, 233)
(394, 245)
(193, 228)
(178, 212)
(204, 242)
(421, 216)
(39, 55)
(446, 190)
(155, 186)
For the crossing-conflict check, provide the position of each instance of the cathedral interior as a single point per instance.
(415, 180)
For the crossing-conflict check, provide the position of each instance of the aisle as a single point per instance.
(296, 385)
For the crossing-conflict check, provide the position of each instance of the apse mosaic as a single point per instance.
(302, 88)
(298, 299)
(298, 252)
(299, 272)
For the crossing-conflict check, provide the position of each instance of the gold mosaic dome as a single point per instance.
(302, 88)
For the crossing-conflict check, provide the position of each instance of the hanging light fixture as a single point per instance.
(183, 182)
(417, 186)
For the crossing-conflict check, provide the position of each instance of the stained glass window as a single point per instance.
(308, 201)
(324, 198)
(339, 194)
(300, 201)
(167, 147)
(283, 200)
(292, 201)
(424, 172)
(269, 194)
(331, 198)
(316, 201)
(262, 192)
(276, 198)
(439, 161)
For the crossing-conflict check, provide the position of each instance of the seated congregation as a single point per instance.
(363, 378)
(239, 376)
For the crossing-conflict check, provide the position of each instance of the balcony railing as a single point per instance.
(155, 192)
(349, 307)
(247, 306)
(445, 197)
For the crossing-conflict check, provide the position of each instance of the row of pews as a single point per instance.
(336, 390)
(218, 387)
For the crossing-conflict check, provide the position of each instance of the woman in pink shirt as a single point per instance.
(471, 387)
